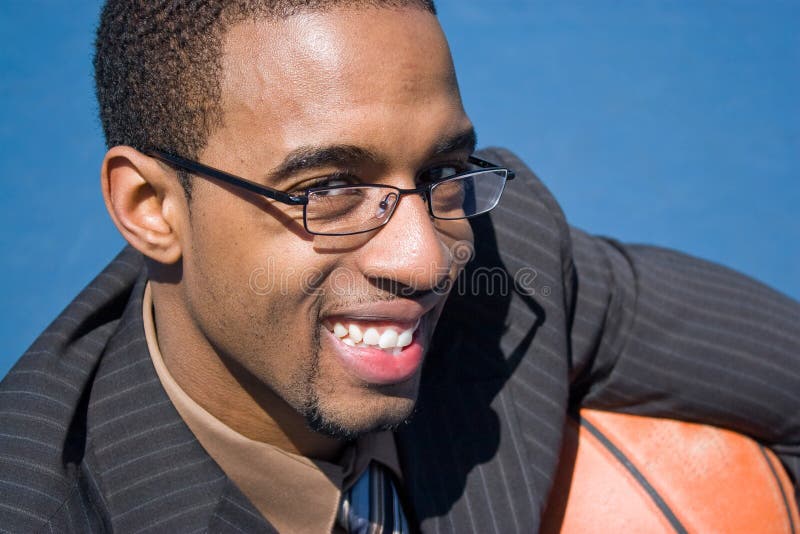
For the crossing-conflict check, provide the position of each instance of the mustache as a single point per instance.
(368, 298)
(345, 284)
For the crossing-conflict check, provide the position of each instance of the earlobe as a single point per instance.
(146, 203)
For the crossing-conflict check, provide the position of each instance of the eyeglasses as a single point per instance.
(338, 210)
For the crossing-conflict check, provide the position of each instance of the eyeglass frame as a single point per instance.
(206, 171)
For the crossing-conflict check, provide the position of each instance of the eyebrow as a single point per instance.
(313, 157)
(466, 140)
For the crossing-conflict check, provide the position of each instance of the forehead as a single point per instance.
(317, 51)
(316, 75)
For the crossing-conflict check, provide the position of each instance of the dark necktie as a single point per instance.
(372, 505)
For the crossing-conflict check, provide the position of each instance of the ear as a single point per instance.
(146, 203)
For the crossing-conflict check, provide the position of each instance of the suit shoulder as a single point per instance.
(43, 402)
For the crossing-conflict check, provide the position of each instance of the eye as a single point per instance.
(334, 180)
(440, 172)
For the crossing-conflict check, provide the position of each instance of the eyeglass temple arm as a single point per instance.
(211, 172)
(488, 165)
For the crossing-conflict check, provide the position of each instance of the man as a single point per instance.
(295, 181)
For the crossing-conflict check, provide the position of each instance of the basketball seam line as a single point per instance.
(780, 487)
(628, 464)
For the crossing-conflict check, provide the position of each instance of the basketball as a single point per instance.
(627, 474)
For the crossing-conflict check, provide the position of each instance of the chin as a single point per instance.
(349, 420)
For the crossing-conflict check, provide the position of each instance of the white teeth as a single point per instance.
(371, 336)
(404, 339)
(339, 330)
(388, 339)
(355, 333)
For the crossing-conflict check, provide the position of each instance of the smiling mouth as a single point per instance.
(391, 338)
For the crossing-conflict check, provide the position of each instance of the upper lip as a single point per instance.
(400, 311)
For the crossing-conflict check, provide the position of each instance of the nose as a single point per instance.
(408, 253)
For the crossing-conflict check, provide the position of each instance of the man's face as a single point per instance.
(352, 96)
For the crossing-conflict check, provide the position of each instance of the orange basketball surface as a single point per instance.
(628, 474)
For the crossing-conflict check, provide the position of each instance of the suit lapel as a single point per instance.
(481, 451)
(466, 461)
(465, 469)
(149, 468)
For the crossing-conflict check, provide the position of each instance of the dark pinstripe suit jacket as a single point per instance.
(545, 316)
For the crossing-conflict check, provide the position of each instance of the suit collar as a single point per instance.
(465, 465)
(149, 468)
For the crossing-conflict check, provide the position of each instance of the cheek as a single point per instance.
(251, 298)
(244, 257)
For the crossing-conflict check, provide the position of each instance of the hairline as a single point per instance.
(180, 114)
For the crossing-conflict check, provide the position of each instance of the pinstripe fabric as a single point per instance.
(89, 441)
(637, 329)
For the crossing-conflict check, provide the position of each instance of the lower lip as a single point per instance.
(374, 366)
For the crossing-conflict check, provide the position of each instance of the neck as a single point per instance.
(230, 392)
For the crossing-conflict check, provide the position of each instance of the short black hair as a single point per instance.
(157, 65)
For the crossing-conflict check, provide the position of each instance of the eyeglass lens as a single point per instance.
(362, 208)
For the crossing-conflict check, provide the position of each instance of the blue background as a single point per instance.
(675, 123)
